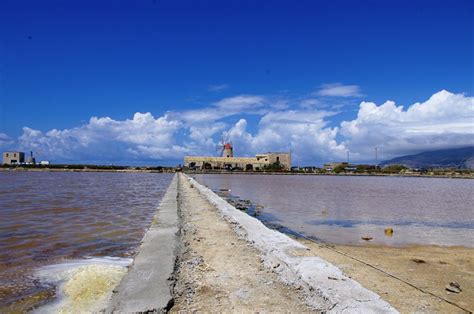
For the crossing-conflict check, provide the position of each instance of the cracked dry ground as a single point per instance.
(218, 272)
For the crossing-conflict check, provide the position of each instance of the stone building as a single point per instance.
(12, 158)
(240, 163)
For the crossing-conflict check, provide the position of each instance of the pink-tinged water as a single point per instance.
(343, 209)
(48, 217)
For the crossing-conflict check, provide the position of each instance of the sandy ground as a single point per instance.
(218, 272)
(441, 266)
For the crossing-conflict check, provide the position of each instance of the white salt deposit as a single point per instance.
(83, 286)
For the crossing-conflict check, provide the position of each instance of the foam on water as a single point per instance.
(83, 286)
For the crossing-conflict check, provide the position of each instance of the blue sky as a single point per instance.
(271, 75)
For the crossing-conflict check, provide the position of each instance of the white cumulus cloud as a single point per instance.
(142, 137)
(304, 127)
(5, 140)
(444, 120)
(303, 132)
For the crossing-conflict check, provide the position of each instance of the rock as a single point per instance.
(388, 232)
(195, 261)
(272, 263)
(454, 287)
(418, 261)
(242, 293)
(367, 238)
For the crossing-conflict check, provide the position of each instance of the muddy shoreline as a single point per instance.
(411, 278)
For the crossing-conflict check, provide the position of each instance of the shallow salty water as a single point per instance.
(343, 209)
(54, 217)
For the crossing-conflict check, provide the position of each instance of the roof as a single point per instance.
(275, 153)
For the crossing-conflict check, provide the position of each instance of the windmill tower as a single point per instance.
(228, 150)
(225, 148)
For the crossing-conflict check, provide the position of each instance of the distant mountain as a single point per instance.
(444, 158)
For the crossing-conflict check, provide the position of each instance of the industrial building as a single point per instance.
(229, 162)
(18, 158)
(13, 158)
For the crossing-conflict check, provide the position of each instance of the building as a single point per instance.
(228, 151)
(13, 158)
(229, 162)
(333, 165)
(31, 160)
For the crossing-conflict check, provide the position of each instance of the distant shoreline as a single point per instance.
(173, 170)
(458, 176)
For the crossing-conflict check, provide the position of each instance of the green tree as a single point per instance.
(394, 169)
(276, 166)
(339, 168)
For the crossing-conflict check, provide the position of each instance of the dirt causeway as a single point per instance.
(218, 272)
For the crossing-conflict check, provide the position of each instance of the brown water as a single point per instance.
(49, 217)
(343, 209)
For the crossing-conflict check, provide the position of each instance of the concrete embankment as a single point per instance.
(325, 286)
(229, 261)
(148, 285)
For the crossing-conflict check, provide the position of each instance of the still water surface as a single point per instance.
(49, 217)
(343, 209)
